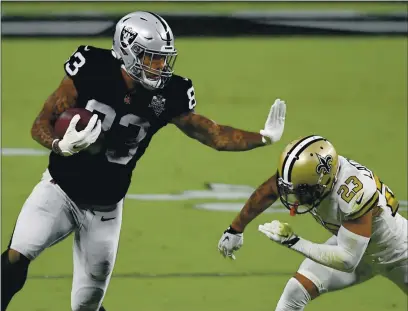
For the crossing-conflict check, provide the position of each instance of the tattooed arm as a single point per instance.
(219, 137)
(226, 138)
(263, 197)
(63, 98)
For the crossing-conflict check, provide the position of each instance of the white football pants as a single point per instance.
(48, 216)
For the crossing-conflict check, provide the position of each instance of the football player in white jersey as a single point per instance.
(369, 235)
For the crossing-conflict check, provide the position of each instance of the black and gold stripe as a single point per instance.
(390, 199)
(291, 150)
(293, 155)
(378, 183)
(368, 206)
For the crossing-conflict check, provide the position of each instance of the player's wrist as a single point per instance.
(238, 224)
(55, 146)
(233, 230)
(266, 140)
(59, 148)
(296, 243)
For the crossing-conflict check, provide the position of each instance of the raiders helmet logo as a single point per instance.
(324, 165)
(127, 36)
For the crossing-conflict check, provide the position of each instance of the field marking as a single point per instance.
(136, 275)
(217, 191)
(13, 152)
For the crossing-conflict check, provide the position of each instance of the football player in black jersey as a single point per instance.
(133, 92)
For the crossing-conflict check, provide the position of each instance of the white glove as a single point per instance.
(279, 232)
(275, 123)
(230, 241)
(74, 141)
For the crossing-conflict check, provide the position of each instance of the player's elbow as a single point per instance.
(349, 268)
(34, 131)
(343, 261)
(350, 264)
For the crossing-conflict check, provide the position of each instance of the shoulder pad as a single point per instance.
(183, 93)
(88, 63)
(357, 194)
(80, 61)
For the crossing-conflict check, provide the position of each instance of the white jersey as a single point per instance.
(357, 191)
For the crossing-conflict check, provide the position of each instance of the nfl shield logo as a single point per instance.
(126, 100)
(157, 104)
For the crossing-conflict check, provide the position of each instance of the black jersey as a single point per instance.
(129, 121)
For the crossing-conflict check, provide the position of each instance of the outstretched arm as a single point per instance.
(352, 237)
(352, 241)
(263, 197)
(259, 201)
(218, 137)
(226, 138)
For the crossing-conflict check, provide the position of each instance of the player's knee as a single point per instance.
(309, 286)
(87, 299)
(14, 268)
(100, 271)
(295, 297)
(13, 257)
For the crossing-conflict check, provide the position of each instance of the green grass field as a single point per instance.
(353, 91)
(207, 6)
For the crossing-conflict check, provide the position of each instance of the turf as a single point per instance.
(49, 7)
(353, 91)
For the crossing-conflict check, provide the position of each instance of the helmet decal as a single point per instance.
(127, 36)
(324, 165)
(294, 153)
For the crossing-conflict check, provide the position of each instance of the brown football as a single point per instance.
(62, 123)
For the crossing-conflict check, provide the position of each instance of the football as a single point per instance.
(62, 123)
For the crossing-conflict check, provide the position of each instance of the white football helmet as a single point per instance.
(145, 44)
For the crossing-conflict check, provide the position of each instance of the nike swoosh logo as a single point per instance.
(358, 201)
(226, 238)
(77, 148)
(86, 48)
(106, 219)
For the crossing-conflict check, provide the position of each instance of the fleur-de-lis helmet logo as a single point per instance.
(325, 164)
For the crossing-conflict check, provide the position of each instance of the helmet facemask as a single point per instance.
(306, 174)
(300, 198)
(146, 68)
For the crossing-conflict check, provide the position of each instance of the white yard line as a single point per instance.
(215, 191)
